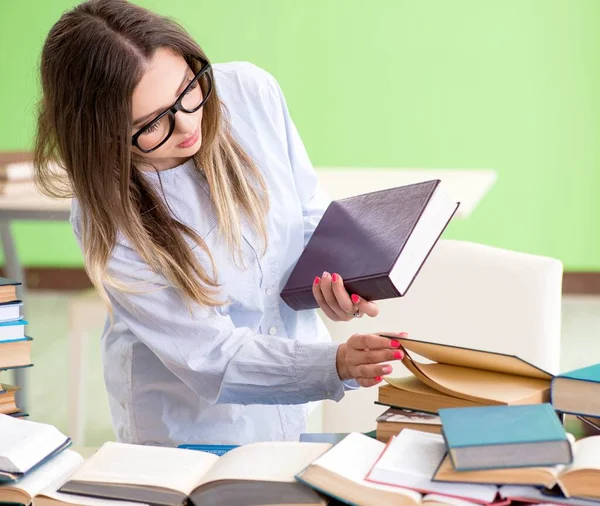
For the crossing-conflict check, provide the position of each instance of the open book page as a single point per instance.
(270, 461)
(522, 493)
(172, 468)
(25, 443)
(411, 459)
(586, 454)
(353, 457)
(56, 468)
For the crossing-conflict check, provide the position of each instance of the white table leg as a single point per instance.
(13, 270)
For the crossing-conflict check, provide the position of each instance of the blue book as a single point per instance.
(498, 437)
(14, 329)
(214, 449)
(577, 392)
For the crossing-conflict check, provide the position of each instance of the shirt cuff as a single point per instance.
(351, 384)
(316, 371)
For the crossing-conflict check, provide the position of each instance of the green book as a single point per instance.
(498, 437)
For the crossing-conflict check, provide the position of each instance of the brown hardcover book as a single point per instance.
(478, 376)
(412, 393)
(377, 242)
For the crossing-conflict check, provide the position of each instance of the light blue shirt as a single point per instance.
(245, 371)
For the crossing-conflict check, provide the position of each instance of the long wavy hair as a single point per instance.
(91, 61)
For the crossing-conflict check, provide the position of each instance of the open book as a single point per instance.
(24, 445)
(341, 472)
(259, 473)
(41, 484)
(580, 479)
(478, 376)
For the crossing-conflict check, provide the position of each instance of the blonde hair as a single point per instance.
(84, 127)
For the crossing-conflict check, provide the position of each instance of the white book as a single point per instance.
(11, 312)
(24, 444)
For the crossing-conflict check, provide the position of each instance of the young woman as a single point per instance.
(194, 198)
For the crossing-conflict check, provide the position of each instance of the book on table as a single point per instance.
(579, 479)
(578, 392)
(341, 473)
(377, 242)
(25, 445)
(476, 376)
(494, 437)
(253, 474)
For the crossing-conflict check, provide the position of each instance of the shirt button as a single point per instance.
(269, 290)
(272, 330)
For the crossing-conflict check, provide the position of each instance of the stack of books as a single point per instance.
(454, 377)
(15, 346)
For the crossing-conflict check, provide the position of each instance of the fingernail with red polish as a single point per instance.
(387, 369)
(394, 344)
(317, 279)
(335, 277)
(398, 355)
(378, 378)
(355, 298)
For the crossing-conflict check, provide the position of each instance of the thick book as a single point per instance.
(13, 329)
(411, 393)
(579, 479)
(27, 445)
(8, 403)
(15, 353)
(8, 290)
(377, 242)
(393, 421)
(578, 391)
(341, 474)
(496, 437)
(478, 376)
(253, 474)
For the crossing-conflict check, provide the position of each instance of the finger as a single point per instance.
(327, 291)
(371, 342)
(369, 382)
(316, 289)
(355, 357)
(393, 335)
(370, 371)
(365, 306)
(341, 295)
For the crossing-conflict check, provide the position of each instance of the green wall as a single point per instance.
(512, 85)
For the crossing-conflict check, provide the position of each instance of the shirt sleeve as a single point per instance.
(222, 363)
(312, 197)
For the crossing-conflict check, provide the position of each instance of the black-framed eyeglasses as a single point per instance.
(157, 131)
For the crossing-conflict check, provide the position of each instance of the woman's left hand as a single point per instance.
(337, 303)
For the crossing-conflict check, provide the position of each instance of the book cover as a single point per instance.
(379, 222)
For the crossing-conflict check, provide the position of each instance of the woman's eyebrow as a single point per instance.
(148, 116)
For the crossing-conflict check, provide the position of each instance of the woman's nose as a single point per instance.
(185, 123)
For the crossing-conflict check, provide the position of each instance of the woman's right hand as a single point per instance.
(363, 357)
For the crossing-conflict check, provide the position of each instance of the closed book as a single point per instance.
(10, 311)
(15, 353)
(13, 329)
(496, 437)
(8, 290)
(578, 391)
(377, 242)
(394, 420)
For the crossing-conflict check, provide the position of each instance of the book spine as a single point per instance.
(374, 288)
